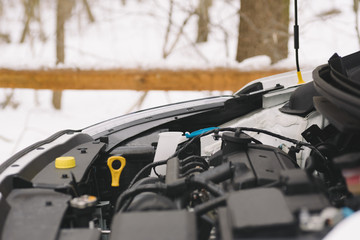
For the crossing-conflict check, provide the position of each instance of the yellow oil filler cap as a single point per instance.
(65, 162)
(116, 169)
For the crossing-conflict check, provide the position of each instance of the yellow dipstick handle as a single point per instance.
(115, 173)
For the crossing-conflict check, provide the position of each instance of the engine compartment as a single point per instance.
(244, 190)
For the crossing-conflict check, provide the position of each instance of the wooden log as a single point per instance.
(143, 80)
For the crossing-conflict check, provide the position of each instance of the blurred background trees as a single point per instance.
(263, 29)
(63, 12)
(203, 20)
(246, 29)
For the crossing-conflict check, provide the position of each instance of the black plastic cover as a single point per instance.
(267, 213)
(258, 165)
(296, 181)
(259, 213)
(84, 155)
(314, 202)
(34, 214)
(159, 225)
(79, 233)
(301, 101)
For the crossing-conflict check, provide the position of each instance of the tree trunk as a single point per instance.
(263, 29)
(29, 15)
(63, 12)
(88, 11)
(60, 31)
(1, 8)
(356, 11)
(203, 21)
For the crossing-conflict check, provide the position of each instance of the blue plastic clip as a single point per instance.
(347, 212)
(200, 131)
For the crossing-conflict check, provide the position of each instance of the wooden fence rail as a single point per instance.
(142, 80)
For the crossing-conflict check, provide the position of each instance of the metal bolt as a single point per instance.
(64, 175)
(82, 150)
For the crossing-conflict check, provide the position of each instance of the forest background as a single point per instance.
(135, 40)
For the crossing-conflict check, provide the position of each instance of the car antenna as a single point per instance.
(296, 46)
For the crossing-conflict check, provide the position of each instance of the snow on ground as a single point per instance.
(132, 36)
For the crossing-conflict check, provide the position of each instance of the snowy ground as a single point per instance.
(133, 37)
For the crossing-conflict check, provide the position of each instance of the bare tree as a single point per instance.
(29, 7)
(31, 13)
(356, 11)
(203, 21)
(63, 12)
(9, 100)
(3, 36)
(168, 50)
(263, 29)
(88, 11)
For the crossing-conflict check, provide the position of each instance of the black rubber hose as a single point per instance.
(193, 170)
(191, 165)
(209, 205)
(209, 186)
(310, 165)
(147, 167)
(157, 188)
(193, 158)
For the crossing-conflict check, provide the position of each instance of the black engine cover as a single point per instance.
(255, 164)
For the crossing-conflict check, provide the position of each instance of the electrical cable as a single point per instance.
(156, 173)
(294, 141)
(195, 182)
(149, 166)
(124, 200)
(296, 45)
